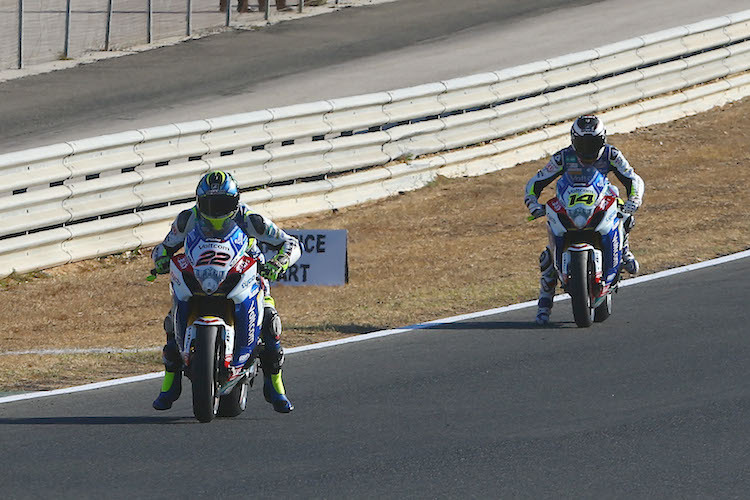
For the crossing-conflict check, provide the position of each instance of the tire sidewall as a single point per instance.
(203, 373)
(578, 289)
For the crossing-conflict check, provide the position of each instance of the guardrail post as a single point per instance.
(229, 12)
(268, 9)
(66, 49)
(20, 34)
(108, 33)
(189, 17)
(150, 20)
(301, 3)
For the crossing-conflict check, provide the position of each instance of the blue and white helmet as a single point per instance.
(218, 197)
(588, 137)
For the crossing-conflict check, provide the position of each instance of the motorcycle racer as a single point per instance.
(588, 147)
(217, 201)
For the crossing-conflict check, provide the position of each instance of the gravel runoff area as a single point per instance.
(456, 246)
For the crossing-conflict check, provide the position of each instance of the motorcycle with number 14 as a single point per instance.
(586, 235)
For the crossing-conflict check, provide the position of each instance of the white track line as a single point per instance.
(385, 333)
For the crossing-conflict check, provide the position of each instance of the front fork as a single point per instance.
(248, 317)
(594, 259)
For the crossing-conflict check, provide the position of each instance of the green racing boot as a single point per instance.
(273, 391)
(171, 389)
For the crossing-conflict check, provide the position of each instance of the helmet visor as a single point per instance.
(218, 205)
(588, 147)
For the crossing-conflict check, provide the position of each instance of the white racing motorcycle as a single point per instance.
(586, 236)
(218, 296)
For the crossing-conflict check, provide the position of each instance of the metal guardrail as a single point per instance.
(107, 194)
(34, 31)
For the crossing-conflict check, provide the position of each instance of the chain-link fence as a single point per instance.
(37, 31)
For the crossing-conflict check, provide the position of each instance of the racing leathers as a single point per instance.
(611, 160)
(257, 228)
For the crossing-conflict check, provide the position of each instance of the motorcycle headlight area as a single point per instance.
(580, 216)
(209, 279)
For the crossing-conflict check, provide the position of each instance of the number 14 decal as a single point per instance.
(586, 199)
(211, 258)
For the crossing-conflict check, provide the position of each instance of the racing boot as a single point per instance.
(542, 314)
(272, 358)
(273, 391)
(629, 262)
(547, 285)
(171, 387)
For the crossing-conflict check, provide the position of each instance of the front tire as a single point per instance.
(204, 368)
(578, 287)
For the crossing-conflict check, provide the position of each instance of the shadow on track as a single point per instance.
(350, 329)
(500, 325)
(96, 420)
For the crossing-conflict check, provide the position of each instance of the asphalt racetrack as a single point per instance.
(653, 403)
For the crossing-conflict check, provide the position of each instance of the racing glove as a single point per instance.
(631, 205)
(275, 267)
(536, 208)
(161, 260)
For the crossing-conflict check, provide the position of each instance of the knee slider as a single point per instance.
(545, 260)
(271, 330)
(628, 223)
(272, 356)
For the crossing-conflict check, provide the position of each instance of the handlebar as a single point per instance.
(152, 277)
(620, 215)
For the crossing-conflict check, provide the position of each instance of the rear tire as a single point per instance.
(235, 402)
(579, 289)
(604, 309)
(204, 367)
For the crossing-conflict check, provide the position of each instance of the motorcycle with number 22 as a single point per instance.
(218, 296)
(586, 236)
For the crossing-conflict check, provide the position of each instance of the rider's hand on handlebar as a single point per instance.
(272, 269)
(631, 205)
(161, 265)
(537, 210)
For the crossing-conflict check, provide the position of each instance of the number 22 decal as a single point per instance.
(586, 199)
(211, 258)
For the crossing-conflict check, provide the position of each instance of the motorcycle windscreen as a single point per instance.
(583, 175)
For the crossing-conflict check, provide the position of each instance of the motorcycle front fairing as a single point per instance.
(215, 277)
